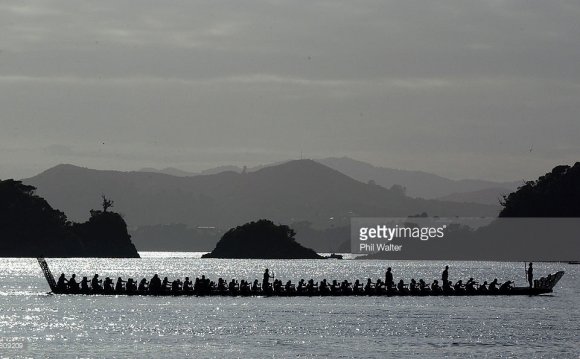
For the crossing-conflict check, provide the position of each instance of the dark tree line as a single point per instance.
(555, 194)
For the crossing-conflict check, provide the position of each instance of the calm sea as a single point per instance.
(36, 324)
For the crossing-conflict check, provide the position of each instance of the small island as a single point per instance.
(261, 239)
(30, 227)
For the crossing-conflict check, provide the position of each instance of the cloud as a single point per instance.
(466, 85)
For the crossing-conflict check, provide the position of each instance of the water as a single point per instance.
(375, 327)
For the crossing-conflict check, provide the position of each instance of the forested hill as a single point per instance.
(555, 194)
(30, 227)
(285, 193)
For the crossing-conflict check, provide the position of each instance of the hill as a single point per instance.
(301, 190)
(556, 194)
(292, 191)
(417, 183)
(30, 227)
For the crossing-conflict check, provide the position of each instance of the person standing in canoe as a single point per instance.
(266, 280)
(530, 274)
(389, 279)
(445, 277)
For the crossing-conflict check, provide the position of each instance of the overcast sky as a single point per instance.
(460, 88)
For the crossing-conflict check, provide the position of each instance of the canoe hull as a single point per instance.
(517, 291)
(542, 286)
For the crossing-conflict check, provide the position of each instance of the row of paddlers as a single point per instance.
(203, 286)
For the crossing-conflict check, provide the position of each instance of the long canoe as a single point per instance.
(543, 285)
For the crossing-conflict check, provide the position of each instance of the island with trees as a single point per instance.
(30, 227)
(555, 194)
(261, 239)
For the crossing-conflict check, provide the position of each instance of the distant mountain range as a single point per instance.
(417, 183)
(166, 212)
(301, 190)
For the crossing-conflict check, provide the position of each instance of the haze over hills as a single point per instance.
(172, 171)
(417, 183)
(180, 173)
(292, 191)
(491, 196)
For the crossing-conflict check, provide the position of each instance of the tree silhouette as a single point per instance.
(107, 203)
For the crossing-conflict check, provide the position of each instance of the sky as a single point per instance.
(465, 89)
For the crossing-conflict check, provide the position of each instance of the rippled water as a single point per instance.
(109, 326)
